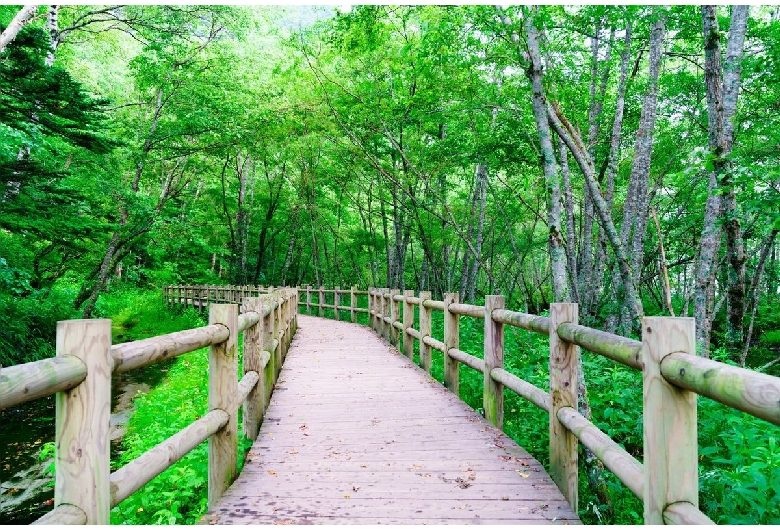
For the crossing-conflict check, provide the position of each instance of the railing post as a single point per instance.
(253, 359)
(223, 382)
(408, 340)
(321, 302)
(372, 307)
(563, 393)
(352, 304)
(308, 299)
(425, 331)
(394, 317)
(278, 338)
(295, 310)
(493, 393)
(451, 340)
(385, 313)
(336, 302)
(268, 345)
(83, 461)
(670, 430)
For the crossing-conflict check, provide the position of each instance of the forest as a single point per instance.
(620, 157)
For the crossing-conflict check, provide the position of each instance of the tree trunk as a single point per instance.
(636, 209)
(721, 108)
(549, 163)
(25, 15)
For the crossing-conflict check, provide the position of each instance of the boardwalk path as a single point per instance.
(356, 433)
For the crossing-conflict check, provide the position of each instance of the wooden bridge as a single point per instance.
(353, 432)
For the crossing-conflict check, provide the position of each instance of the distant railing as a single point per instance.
(80, 375)
(667, 481)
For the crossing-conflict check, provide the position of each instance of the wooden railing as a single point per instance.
(200, 296)
(667, 479)
(85, 490)
(335, 296)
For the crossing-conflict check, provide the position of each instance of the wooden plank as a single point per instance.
(365, 436)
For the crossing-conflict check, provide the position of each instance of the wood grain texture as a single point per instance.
(355, 433)
(563, 393)
(408, 321)
(253, 362)
(395, 316)
(223, 368)
(30, 381)
(82, 456)
(451, 340)
(669, 418)
(752, 392)
(493, 391)
(425, 331)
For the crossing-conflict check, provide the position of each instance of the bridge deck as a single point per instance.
(356, 433)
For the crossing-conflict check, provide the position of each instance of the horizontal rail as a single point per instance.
(685, 513)
(752, 392)
(412, 300)
(433, 343)
(64, 514)
(621, 349)
(398, 297)
(243, 389)
(476, 311)
(130, 478)
(29, 381)
(398, 325)
(247, 320)
(131, 355)
(615, 458)
(438, 305)
(522, 388)
(522, 320)
(414, 333)
(469, 360)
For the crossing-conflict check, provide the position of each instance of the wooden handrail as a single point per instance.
(30, 381)
(742, 389)
(86, 357)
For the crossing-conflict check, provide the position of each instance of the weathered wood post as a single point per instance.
(267, 338)
(321, 301)
(82, 456)
(352, 304)
(493, 393)
(451, 340)
(670, 430)
(394, 317)
(278, 338)
(223, 383)
(336, 302)
(385, 313)
(308, 299)
(563, 393)
(254, 405)
(296, 309)
(425, 331)
(408, 340)
(372, 308)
